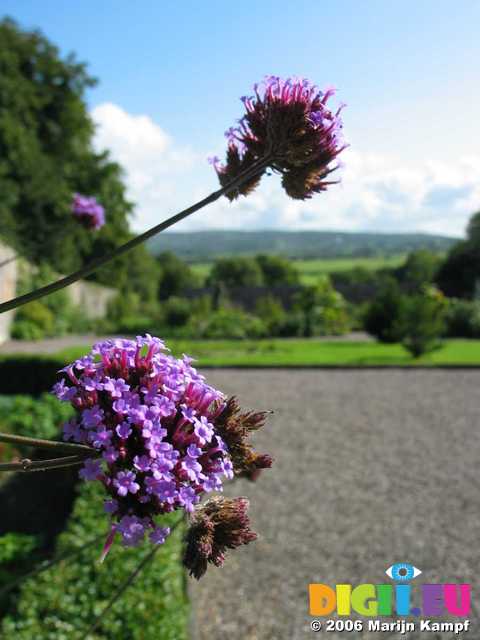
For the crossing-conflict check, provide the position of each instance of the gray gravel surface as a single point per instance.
(372, 468)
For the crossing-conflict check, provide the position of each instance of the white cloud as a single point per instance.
(377, 192)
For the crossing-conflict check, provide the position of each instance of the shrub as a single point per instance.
(423, 322)
(324, 310)
(463, 318)
(176, 312)
(34, 417)
(272, 314)
(33, 321)
(228, 323)
(61, 602)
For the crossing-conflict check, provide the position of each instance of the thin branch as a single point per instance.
(9, 260)
(26, 465)
(65, 447)
(69, 554)
(124, 586)
(254, 170)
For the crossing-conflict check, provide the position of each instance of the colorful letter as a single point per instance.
(322, 599)
(343, 599)
(363, 600)
(402, 597)
(384, 595)
(463, 609)
(432, 599)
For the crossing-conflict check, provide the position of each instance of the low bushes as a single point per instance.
(60, 603)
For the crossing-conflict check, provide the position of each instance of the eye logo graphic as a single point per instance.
(390, 599)
(402, 572)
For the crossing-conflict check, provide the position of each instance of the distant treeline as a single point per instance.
(207, 245)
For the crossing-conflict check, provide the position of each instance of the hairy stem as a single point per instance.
(254, 170)
(64, 447)
(26, 465)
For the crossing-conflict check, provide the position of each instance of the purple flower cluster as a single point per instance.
(88, 211)
(289, 124)
(151, 418)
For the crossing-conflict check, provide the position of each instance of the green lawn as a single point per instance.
(311, 269)
(301, 352)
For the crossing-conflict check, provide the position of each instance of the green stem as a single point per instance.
(64, 447)
(254, 170)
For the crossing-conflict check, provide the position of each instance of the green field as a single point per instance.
(310, 270)
(302, 352)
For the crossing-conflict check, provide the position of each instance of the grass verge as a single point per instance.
(314, 353)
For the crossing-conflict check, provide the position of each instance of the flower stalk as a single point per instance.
(78, 454)
(252, 171)
(27, 465)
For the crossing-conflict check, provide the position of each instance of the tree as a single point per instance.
(459, 275)
(277, 271)
(419, 270)
(385, 311)
(175, 276)
(46, 154)
(235, 272)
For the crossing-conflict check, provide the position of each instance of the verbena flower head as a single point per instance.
(218, 525)
(290, 123)
(88, 211)
(157, 427)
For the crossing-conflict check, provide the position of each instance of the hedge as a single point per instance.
(30, 375)
(60, 603)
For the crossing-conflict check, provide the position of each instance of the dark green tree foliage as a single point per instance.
(459, 276)
(46, 155)
(175, 276)
(420, 269)
(236, 272)
(383, 314)
(463, 318)
(277, 271)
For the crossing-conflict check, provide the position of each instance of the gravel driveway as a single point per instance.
(372, 468)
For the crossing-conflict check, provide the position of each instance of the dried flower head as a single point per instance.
(235, 428)
(218, 525)
(288, 123)
(153, 420)
(88, 212)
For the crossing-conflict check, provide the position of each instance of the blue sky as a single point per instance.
(170, 75)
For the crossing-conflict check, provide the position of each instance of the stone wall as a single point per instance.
(8, 284)
(93, 298)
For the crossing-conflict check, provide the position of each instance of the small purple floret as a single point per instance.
(88, 211)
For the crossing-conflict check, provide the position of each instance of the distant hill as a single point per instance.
(198, 246)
